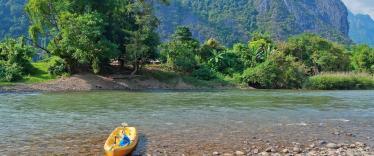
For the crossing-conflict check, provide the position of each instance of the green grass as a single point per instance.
(40, 74)
(341, 81)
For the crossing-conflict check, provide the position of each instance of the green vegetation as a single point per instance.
(91, 33)
(279, 71)
(233, 21)
(121, 35)
(15, 58)
(363, 58)
(40, 74)
(329, 81)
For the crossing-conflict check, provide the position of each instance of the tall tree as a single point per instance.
(106, 29)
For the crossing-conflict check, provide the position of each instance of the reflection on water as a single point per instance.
(80, 121)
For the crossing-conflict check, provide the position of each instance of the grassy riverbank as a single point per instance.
(341, 81)
(40, 74)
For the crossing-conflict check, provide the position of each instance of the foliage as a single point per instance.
(257, 50)
(210, 48)
(57, 66)
(82, 40)
(10, 72)
(234, 21)
(226, 62)
(279, 71)
(363, 58)
(15, 58)
(181, 51)
(317, 53)
(204, 73)
(329, 81)
(94, 32)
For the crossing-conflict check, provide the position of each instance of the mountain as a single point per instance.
(231, 21)
(361, 29)
(13, 19)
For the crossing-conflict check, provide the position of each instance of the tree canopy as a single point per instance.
(92, 32)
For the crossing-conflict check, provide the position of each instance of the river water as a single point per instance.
(182, 122)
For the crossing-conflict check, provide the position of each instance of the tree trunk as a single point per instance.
(136, 68)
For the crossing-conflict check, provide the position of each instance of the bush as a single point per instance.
(204, 73)
(279, 71)
(330, 81)
(57, 67)
(10, 72)
(363, 58)
(317, 53)
(227, 63)
(15, 58)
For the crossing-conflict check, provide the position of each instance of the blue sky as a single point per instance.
(361, 6)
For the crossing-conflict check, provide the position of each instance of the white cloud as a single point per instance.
(361, 6)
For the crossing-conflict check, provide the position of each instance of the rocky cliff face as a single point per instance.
(361, 29)
(229, 21)
(233, 20)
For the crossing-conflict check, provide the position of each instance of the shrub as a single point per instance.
(279, 71)
(363, 58)
(330, 81)
(227, 63)
(15, 51)
(204, 73)
(15, 58)
(10, 72)
(57, 67)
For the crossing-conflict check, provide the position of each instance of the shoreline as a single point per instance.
(91, 82)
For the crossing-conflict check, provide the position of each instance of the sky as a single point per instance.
(361, 6)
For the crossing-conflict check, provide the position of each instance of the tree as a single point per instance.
(363, 58)
(317, 53)
(256, 51)
(82, 41)
(181, 51)
(278, 71)
(226, 62)
(210, 48)
(108, 29)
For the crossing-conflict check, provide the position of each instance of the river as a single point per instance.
(182, 122)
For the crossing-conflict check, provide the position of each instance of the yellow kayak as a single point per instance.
(114, 145)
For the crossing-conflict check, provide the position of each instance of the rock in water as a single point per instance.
(332, 146)
(296, 150)
(239, 153)
(285, 151)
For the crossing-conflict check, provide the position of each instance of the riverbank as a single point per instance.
(91, 82)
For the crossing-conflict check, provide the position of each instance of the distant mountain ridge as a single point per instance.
(231, 21)
(361, 29)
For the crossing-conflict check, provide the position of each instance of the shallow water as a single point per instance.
(176, 122)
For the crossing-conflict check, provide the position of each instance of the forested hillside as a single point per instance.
(361, 29)
(231, 21)
(13, 20)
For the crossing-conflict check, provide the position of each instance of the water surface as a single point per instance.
(177, 122)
